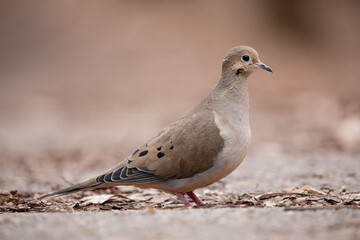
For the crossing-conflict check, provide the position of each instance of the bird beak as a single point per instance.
(263, 66)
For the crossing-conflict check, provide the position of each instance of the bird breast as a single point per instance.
(235, 130)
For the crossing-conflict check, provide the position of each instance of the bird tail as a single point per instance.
(88, 184)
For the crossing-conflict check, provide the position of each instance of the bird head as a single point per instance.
(241, 61)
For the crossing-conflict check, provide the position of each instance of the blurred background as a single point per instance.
(84, 83)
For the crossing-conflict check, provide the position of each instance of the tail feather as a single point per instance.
(88, 184)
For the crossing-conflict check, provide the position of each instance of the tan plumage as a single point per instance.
(199, 149)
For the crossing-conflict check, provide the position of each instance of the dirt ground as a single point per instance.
(85, 83)
(185, 224)
(315, 197)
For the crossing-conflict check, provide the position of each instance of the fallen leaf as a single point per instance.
(309, 190)
(95, 199)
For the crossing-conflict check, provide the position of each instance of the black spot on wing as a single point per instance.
(159, 148)
(172, 147)
(160, 154)
(143, 153)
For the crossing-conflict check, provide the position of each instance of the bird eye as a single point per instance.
(245, 58)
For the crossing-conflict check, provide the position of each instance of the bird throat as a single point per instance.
(233, 89)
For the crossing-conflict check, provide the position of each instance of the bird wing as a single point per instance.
(183, 149)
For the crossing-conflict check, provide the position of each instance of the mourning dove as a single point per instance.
(200, 148)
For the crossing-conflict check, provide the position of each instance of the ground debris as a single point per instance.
(305, 198)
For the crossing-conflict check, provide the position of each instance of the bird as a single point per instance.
(204, 146)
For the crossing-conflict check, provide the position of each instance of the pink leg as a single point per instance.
(195, 198)
(182, 198)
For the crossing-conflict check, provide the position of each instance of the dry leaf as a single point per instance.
(95, 199)
(309, 190)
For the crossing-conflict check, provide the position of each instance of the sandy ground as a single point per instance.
(185, 224)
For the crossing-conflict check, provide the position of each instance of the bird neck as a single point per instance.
(231, 90)
(229, 98)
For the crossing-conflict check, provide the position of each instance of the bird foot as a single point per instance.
(182, 198)
(192, 195)
(195, 198)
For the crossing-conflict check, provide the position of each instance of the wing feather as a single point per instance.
(183, 149)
